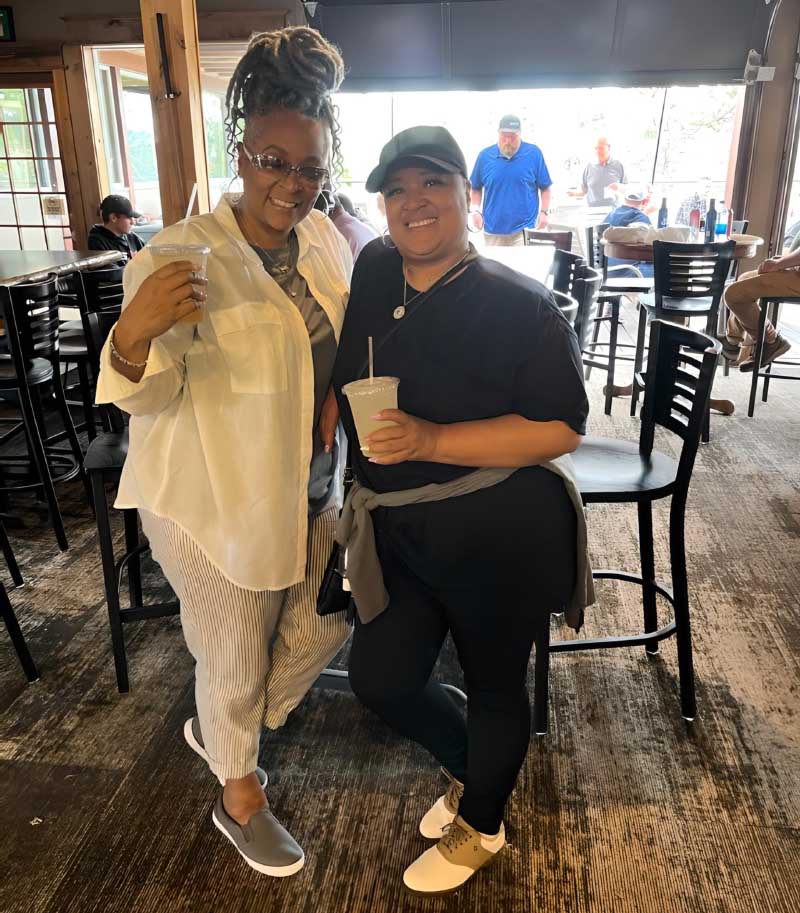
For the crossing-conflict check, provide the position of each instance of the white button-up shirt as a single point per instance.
(221, 427)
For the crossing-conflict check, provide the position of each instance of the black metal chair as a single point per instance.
(561, 239)
(608, 308)
(677, 390)
(689, 282)
(769, 307)
(563, 270)
(7, 611)
(31, 322)
(567, 304)
(104, 460)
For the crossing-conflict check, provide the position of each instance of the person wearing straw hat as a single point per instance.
(233, 458)
(463, 516)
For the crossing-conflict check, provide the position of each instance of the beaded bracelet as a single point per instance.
(115, 353)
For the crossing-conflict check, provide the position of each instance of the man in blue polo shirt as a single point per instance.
(507, 181)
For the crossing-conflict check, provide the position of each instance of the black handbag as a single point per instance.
(332, 596)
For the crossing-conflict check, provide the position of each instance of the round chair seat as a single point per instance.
(612, 470)
(107, 451)
(39, 371)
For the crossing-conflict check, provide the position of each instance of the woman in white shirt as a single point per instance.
(232, 459)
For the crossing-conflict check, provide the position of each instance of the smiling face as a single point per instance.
(275, 203)
(427, 213)
(508, 141)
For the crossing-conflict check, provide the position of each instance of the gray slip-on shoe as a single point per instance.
(264, 843)
(194, 739)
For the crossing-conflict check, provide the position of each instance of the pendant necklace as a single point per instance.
(400, 312)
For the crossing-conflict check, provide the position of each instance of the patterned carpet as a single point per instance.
(623, 807)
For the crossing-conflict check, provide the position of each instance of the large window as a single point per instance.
(676, 140)
(33, 205)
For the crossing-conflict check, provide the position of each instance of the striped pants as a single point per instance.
(256, 652)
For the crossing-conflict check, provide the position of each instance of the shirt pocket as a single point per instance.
(253, 344)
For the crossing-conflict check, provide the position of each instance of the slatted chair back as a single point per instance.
(595, 253)
(567, 304)
(102, 305)
(561, 239)
(31, 317)
(680, 374)
(690, 271)
(563, 270)
(585, 289)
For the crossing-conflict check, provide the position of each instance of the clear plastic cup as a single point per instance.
(367, 398)
(196, 254)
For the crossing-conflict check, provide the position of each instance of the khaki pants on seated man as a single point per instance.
(741, 298)
(515, 240)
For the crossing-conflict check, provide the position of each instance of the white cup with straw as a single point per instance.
(196, 254)
(368, 397)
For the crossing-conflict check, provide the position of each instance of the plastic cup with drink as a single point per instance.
(367, 398)
(196, 254)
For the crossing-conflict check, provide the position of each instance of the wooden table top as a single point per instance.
(623, 251)
(34, 265)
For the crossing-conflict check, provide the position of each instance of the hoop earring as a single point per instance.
(473, 231)
(388, 243)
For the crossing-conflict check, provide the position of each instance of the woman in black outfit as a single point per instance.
(490, 376)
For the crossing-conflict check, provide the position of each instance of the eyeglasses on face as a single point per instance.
(275, 165)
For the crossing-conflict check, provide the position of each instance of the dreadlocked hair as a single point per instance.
(293, 68)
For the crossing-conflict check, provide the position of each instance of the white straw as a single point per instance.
(189, 209)
(369, 344)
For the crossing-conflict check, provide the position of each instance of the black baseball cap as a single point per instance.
(430, 144)
(510, 123)
(118, 204)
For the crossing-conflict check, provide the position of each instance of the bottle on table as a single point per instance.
(694, 223)
(663, 214)
(711, 222)
(722, 220)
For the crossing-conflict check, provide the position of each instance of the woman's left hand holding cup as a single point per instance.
(409, 438)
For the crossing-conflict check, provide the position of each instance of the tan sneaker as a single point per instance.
(443, 811)
(454, 860)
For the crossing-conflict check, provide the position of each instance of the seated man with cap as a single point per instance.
(631, 212)
(116, 231)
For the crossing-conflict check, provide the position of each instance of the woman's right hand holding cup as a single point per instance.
(165, 297)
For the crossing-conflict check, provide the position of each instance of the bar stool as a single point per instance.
(771, 305)
(677, 391)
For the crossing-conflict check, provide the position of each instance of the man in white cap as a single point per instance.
(508, 180)
(631, 212)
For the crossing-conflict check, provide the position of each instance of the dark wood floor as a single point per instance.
(622, 807)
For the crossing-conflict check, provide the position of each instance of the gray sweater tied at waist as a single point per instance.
(355, 533)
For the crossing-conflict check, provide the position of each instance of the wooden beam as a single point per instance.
(235, 25)
(84, 113)
(177, 120)
(29, 61)
(69, 160)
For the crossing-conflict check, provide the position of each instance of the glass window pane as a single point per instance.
(42, 143)
(54, 140)
(9, 239)
(2, 143)
(40, 104)
(54, 207)
(5, 180)
(18, 140)
(29, 209)
(12, 105)
(7, 214)
(55, 238)
(23, 174)
(33, 239)
(51, 175)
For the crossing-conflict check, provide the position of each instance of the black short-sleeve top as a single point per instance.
(491, 342)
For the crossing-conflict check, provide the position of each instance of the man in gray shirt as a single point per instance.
(601, 180)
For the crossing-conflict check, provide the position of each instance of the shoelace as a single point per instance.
(454, 836)
(453, 795)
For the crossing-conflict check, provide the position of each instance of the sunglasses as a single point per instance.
(309, 175)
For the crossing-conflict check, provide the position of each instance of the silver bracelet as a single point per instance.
(115, 353)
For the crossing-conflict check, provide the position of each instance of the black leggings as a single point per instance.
(492, 615)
